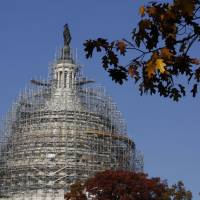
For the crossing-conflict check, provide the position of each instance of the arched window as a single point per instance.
(57, 79)
(60, 79)
(70, 79)
(65, 79)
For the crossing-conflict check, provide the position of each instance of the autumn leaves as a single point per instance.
(158, 62)
(126, 185)
(161, 44)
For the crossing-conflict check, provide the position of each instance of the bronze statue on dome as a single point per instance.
(66, 35)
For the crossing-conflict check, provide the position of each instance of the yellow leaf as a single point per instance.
(142, 11)
(160, 65)
(155, 64)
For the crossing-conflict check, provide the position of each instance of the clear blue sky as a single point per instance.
(167, 133)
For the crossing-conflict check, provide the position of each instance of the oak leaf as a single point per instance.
(165, 53)
(121, 45)
(142, 11)
(186, 6)
(162, 17)
(153, 65)
(195, 61)
(152, 11)
(150, 68)
(131, 71)
(160, 65)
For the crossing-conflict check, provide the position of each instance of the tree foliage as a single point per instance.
(76, 192)
(161, 43)
(125, 185)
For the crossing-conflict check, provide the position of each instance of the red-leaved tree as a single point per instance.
(126, 185)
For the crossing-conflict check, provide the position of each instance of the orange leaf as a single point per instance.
(165, 53)
(195, 61)
(131, 71)
(162, 17)
(187, 7)
(121, 45)
(152, 11)
(150, 68)
(142, 11)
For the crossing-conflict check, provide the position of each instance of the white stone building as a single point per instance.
(58, 131)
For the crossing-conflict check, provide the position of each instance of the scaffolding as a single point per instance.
(58, 131)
